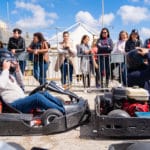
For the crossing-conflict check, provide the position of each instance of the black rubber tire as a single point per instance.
(118, 113)
(50, 115)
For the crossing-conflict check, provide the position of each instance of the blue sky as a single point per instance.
(46, 15)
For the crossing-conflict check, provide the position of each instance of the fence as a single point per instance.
(92, 72)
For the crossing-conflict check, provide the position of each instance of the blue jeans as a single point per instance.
(22, 65)
(104, 66)
(39, 100)
(40, 69)
(65, 72)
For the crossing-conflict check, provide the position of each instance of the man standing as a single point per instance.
(16, 45)
(65, 60)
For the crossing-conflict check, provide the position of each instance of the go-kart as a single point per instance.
(123, 112)
(43, 122)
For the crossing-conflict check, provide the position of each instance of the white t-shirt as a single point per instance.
(9, 88)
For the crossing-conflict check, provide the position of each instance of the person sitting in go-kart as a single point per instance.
(141, 77)
(11, 92)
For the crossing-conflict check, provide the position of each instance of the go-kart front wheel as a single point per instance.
(50, 115)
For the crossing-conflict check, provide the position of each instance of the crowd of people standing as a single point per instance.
(94, 59)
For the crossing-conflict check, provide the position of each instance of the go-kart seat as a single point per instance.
(7, 108)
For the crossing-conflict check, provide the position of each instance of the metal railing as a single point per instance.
(94, 74)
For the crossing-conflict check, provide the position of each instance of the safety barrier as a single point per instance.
(93, 72)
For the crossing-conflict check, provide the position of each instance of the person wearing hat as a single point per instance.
(11, 92)
(133, 41)
(16, 45)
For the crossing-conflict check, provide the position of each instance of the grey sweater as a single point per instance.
(10, 90)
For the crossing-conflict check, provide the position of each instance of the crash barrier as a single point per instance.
(103, 72)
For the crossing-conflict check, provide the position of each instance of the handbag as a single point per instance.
(45, 55)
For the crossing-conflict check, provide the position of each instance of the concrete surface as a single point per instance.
(65, 141)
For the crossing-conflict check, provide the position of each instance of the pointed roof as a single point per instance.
(76, 32)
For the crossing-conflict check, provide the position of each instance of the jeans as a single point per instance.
(104, 67)
(22, 65)
(40, 69)
(41, 100)
(65, 72)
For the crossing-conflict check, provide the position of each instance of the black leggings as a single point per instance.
(86, 80)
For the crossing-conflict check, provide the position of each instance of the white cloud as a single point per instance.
(39, 19)
(131, 14)
(88, 19)
(108, 19)
(53, 15)
(147, 1)
(145, 32)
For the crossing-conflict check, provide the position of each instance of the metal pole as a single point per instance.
(102, 13)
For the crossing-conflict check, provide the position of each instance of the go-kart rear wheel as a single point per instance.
(50, 115)
(118, 113)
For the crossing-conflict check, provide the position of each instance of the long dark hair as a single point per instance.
(101, 37)
(132, 32)
(83, 38)
(40, 36)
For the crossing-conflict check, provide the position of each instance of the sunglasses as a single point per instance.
(104, 32)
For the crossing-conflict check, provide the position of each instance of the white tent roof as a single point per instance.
(76, 32)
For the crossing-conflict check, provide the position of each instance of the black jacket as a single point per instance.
(18, 44)
(131, 45)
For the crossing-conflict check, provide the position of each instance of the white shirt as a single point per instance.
(119, 47)
(10, 90)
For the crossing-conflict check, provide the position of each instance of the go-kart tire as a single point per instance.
(118, 113)
(50, 115)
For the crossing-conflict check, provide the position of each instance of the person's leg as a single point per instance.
(101, 70)
(84, 80)
(43, 69)
(70, 73)
(34, 101)
(36, 70)
(89, 79)
(52, 98)
(63, 70)
(107, 70)
(97, 76)
(22, 65)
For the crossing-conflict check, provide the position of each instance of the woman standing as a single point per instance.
(94, 51)
(38, 50)
(119, 48)
(105, 46)
(86, 61)
(133, 41)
